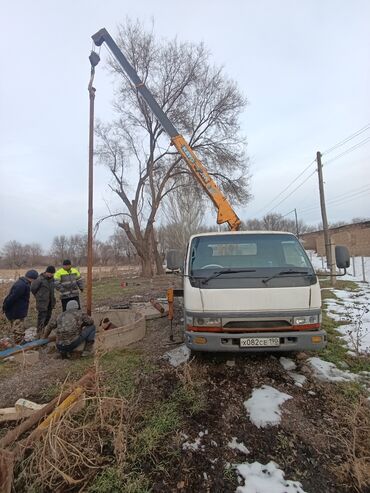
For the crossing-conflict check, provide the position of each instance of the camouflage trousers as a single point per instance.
(18, 328)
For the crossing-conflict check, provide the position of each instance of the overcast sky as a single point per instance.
(303, 65)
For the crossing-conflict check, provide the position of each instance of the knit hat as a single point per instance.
(32, 274)
(50, 269)
(72, 305)
(67, 262)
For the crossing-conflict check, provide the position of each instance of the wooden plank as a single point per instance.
(13, 414)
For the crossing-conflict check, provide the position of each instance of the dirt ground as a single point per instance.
(311, 445)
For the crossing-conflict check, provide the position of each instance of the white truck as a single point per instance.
(252, 291)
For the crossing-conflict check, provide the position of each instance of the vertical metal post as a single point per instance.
(354, 266)
(91, 90)
(363, 269)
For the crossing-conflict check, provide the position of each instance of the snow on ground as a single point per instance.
(238, 446)
(289, 365)
(178, 355)
(260, 478)
(328, 372)
(354, 272)
(351, 306)
(264, 406)
(299, 379)
(196, 445)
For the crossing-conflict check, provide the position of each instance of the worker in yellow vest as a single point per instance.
(69, 283)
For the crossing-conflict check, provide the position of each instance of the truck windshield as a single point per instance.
(256, 253)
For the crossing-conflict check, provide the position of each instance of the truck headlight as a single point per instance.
(207, 322)
(306, 320)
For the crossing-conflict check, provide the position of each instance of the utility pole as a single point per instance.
(329, 258)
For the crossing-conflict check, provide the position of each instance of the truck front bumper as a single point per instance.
(226, 342)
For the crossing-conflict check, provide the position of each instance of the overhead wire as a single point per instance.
(288, 186)
(293, 191)
(363, 188)
(347, 139)
(337, 201)
(350, 149)
(332, 148)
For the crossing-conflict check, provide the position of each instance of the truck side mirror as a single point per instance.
(342, 258)
(175, 259)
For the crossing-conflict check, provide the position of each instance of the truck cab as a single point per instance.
(251, 291)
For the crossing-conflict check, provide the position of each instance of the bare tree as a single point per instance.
(183, 212)
(276, 222)
(203, 104)
(15, 254)
(60, 248)
(34, 253)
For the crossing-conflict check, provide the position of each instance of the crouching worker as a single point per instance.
(73, 327)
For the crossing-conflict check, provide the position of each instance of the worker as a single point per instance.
(73, 327)
(69, 283)
(43, 290)
(15, 305)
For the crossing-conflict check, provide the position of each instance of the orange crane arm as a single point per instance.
(225, 212)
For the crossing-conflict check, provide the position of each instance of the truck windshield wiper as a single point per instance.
(285, 273)
(225, 271)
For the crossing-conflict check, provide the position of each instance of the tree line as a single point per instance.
(117, 250)
(183, 216)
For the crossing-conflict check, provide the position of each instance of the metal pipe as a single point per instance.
(92, 91)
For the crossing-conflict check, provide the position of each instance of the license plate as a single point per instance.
(260, 342)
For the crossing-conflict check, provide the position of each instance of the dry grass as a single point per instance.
(355, 441)
(78, 445)
(99, 272)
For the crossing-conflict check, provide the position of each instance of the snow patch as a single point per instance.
(264, 406)
(259, 478)
(238, 446)
(193, 446)
(287, 363)
(328, 372)
(178, 355)
(299, 379)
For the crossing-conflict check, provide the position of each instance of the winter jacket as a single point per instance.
(68, 326)
(15, 305)
(68, 282)
(43, 290)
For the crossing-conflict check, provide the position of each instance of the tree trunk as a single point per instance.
(146, 266)
(156, 256)
(158, 260)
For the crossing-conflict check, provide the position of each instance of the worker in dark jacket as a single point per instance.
(69, 283)
(43, 290)
(73, 327)
(15, 305)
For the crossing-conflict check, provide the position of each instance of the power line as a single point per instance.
(335, 146)
(291, 193)
(363, 188)
(337, 202)
(350, 149)
(287, 187)
(347, 139)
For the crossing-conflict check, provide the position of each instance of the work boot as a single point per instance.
(89, 349)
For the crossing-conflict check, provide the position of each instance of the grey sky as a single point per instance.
(304, 67)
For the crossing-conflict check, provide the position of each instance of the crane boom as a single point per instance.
(225, 212)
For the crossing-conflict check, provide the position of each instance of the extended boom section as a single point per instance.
(225, 213)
